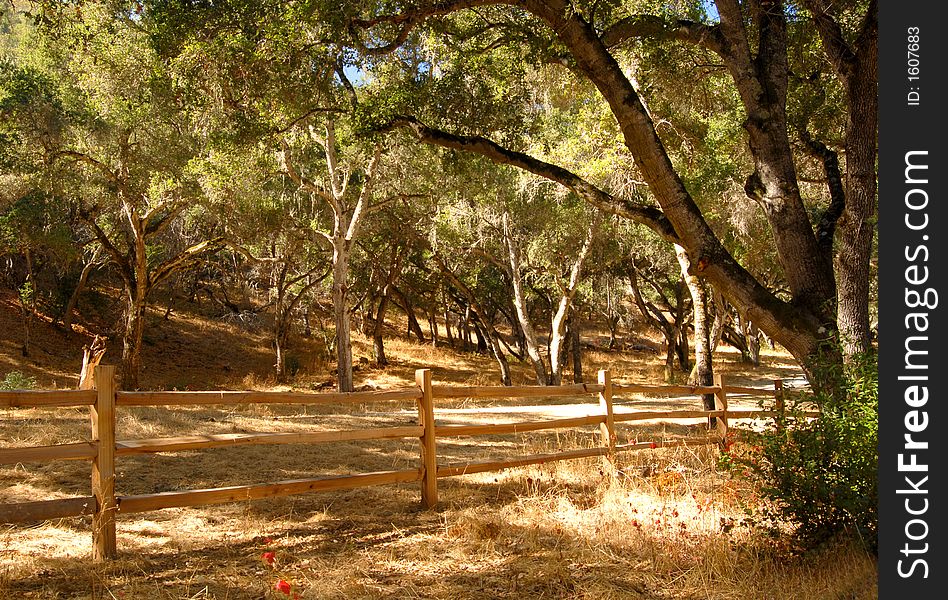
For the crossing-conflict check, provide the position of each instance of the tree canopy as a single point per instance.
(503, 153)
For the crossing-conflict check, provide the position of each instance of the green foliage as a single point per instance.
(821, 473)
(15, 380)
(34, 222)
(26, 293)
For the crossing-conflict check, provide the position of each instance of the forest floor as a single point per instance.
(675, 523)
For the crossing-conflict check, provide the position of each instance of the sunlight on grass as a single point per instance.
(665, 523)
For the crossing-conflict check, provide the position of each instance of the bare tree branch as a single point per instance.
(364, 195)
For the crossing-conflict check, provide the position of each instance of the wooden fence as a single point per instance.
(103, 504)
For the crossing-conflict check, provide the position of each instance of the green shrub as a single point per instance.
(821, 473)
(15, 380)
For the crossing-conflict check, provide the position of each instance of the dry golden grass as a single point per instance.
(560, 530)
(670, 524)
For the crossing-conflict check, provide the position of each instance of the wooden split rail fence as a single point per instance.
(103, 504)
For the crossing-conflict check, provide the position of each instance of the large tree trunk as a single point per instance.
(340, 302)
(762, 88)
(702, 374)
(132, 338)
(801, 325)
(856, 226)
(761, 83)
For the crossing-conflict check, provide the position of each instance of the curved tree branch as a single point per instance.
(121, 260)
(826, 228)
(837, 50)
(647, 215)
(184, 258)
(655, 27)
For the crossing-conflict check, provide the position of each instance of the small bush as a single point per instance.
(822, 473)
(15, 380)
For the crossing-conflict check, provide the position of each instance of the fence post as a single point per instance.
(779, 405)
(429, 456)
(103, 465)
(720, 403)
(607, 429)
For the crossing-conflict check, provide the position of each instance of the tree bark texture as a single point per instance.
(857, 67)
(702, 374)
(340, 307)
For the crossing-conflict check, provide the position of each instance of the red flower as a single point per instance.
(269, 557)
(653, 445)
(283, 586)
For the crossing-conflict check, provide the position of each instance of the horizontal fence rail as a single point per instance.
(521, 391)
(197, 442)
(103, 448)
(237, 493)
(520, 427)
(234, 398)
(78, 451)
(45, 510)
(47, 398)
